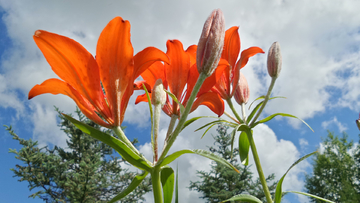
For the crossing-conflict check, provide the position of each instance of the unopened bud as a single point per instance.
(358, 122)
(274, 60)
(211, 43)
(158, 95)
(242, 91)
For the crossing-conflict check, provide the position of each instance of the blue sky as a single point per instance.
(320, 43)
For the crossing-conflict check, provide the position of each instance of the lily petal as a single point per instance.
(74, 64)
(154, 72)
(231, 46)
(244, 58)
(212, 100)
(209, 81)
(144, 59)
(56, 86)
(114, 55)
(178, 71)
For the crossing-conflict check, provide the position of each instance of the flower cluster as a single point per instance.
(102, 86)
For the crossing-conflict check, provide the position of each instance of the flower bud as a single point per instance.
(211, 43)
(242, 91)
(358, 122)
(158, 95)
(274, 60)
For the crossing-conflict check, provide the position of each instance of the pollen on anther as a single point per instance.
(37, 33)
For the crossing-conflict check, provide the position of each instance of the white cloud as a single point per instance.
(320, 44)
(334, 121)
(303, 143)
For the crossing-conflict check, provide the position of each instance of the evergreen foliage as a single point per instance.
(336, 171)
(86, 171)
(222, 183)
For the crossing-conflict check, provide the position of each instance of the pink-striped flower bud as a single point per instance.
(211, 43)
(158, 95)
(242, 91)
(358, 122)
(274, 60)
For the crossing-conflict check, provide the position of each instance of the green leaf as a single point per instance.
(310, 195)
(128, 154)
(167, 160)
(152, 119)
(261, 97)
(244, 147)
(216, 122)
(134, 183)
(279, 114)
(244, 198)
(253, 112)
(232, 134)
(251, 115)
(167, 182)
(177, 185)
(278, 191)
(175, 100)
(191, 120)
(207, 130)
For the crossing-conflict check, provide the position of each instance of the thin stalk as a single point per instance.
(183, 117)
(156, 184)
(258, 167)
(171, 125)
(231, 117)
(157, 112)
(118, 131)
(267, 97)
(243, 112)
(233, 110)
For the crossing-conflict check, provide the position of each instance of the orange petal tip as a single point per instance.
(37, 33)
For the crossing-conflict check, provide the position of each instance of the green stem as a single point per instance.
(233, 110)
(258, 167)
(171, 125)
(231, 117)
(267, 97)
(156, 184)
(118, 131)
(183, 117)
(243, 113)
(157, 112)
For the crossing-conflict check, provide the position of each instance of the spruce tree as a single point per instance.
(85, 171)
(222, 183)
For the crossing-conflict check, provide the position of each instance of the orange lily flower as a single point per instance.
(181, 73)
(230, 53)
(82, 76)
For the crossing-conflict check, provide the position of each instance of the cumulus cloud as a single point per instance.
(334, 121)
(320, 43)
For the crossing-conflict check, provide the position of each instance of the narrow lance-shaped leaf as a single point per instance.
(251, 115)
(310, 195)
(244, 147)
(261, 97)
(233, 133)
(280, 114)
(191, 120)
(278, 191)
(208, 130)
(167, 160)
(126, 153)
(244, 198)
(167, 182)
(134, 183)
(215, 122)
